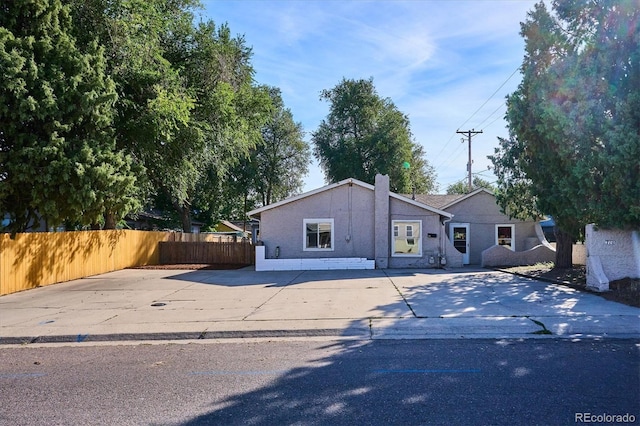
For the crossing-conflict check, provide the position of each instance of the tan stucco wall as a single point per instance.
(353, 220)
(355, 228)
(399, 210)
(482, 213)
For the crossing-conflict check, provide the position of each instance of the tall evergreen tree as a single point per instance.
(574, 145)
(188, 109)
(58, 159)
(153, 121)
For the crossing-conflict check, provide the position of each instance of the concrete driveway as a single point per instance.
(159, 304)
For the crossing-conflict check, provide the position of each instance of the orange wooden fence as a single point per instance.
(37, 259)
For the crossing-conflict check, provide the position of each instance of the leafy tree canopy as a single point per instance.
(463, 188)
(58, 158)
(574, 142)
(188, 109)
(282, 158)
(365, 134)
(274, 169)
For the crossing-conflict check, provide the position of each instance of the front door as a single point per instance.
(459, 234)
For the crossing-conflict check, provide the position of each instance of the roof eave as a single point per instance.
(466, 196)
(421, 205)
(256, 212)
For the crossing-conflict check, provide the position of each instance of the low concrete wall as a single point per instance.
(328, 263)
(579, 255)
(612, 254)
(452, 258)
(501, 256)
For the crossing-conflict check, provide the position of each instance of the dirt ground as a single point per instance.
(625, 291)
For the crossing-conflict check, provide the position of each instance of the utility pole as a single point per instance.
(469, 133)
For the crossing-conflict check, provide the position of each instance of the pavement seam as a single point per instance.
(274, 295)
(400, 293)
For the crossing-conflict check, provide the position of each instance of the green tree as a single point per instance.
(188, 109)
(58, 160)
(574, 120)
(274, 168)
(153, 123)
(364, 135)
(230, 111)
(282, 158)
(462, 187)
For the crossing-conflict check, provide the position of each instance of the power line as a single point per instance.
(490, 97)
(455, 152)
(489, 116)
(446, 144)
(493, 121)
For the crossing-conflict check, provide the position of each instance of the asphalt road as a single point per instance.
(368, 382)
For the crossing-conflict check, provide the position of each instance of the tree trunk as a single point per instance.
(109, 221)
(185, 218)
(564, 249)
(244, 213)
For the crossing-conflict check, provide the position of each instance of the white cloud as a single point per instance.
(437, 60)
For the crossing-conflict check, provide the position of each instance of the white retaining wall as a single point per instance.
(263, 264)
(579, 254)
(502, 256)
(612, 254)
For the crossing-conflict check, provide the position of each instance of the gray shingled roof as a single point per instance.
(436, 200)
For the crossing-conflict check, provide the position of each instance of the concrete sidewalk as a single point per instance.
(373, 304)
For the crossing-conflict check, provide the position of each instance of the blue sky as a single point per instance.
(447, 64)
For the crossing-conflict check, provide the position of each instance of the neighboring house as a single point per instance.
(36, 225)
(152, 220)
(227, 227)
(547, 227)
(243, 228)
(352, 224)
(478, 224)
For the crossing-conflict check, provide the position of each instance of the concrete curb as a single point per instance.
(379, 329)
(205, 335)
(273, 334)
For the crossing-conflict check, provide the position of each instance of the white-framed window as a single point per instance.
(406, 239)
(505, 236)
(317, 234)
